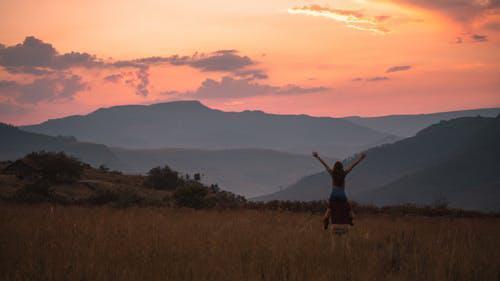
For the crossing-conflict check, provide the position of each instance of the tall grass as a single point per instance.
(43, 242)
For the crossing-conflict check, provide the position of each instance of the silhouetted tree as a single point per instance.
(197, 177)
(162, 178)
(56, 167)
(191, 195)
(103, 168)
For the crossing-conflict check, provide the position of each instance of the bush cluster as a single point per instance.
(56, 167)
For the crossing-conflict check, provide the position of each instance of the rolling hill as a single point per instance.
(15, 143)
(456, 160)
(190, 124)
(408, 125)
(248, 172)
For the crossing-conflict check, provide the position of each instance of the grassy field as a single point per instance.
(46, 242)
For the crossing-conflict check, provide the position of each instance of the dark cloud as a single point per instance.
(218, 61)
(377, 78)
(43, 89)
(251, 74)
(370, 79)
(297, 90)
(114, 78)
(230, 88)
(398, 68)
(34, 56)
(8, 108)
(471, 38)
(37, 71)
(223, 60)
(73, 59)
(143, 78)
(478, 38)
(460, 10)
(31, 53)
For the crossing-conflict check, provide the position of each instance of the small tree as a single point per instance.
(197, 177)
(103, 168)
(162, 178)
(191, 196)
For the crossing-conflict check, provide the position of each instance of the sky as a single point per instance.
(322, 58)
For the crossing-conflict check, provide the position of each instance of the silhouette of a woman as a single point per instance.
(339, 210)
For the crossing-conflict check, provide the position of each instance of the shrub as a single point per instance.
(191, 195)
(35, 192)
(39, 187)
(162, 178)
(56, 167)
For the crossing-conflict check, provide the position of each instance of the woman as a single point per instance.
(339, 209)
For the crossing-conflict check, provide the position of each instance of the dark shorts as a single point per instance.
(340, 212)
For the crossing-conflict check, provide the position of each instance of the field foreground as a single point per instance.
(44, 242)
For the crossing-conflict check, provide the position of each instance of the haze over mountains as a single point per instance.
(248, 172)
(249, 152)
(455, 160)
(408, 125)
(189, 124)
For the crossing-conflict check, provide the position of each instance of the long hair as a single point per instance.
(338, 174)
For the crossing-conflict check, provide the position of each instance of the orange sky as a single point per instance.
(328, 58)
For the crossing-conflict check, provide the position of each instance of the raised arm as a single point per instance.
(355, 163)
(316, 155)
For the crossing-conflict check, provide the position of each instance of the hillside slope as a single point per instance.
(451, 159)
(15, 143)
(468, 179)
(190, 124)
(409, 125)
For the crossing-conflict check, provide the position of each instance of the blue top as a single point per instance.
(338, 194)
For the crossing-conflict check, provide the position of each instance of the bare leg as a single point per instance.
(326, 218)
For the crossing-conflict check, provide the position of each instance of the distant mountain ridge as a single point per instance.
(408, 125)
(16, 143)
(456, 160)
(190, 124)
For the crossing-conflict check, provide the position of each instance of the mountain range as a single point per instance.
(455, 161)
(408, 125)
(190, 124)
(248, 172)
(254, 153)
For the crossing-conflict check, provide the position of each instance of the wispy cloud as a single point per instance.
(61, 87)
(351, 18)
(459, 10)
(398, 68)
(479, 38)
(371, 79)
(471, 38)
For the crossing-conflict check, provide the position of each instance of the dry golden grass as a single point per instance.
(102, 243)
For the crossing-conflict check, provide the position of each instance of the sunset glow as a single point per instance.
(323, 58)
